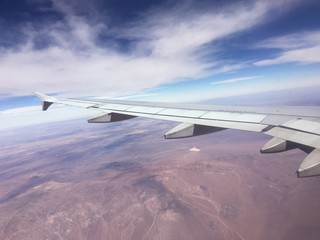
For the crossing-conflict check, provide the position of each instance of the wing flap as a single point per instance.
(303, 125)
(148, 110)
(300, 131)
(236, 117)
(181, 112)
(292, 135)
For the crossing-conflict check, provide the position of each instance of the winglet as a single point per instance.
(46, 100)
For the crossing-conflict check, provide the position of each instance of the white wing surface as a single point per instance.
(290, 127)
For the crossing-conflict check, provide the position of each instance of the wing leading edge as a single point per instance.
(290, 127)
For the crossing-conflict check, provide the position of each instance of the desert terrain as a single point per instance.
(75, 180)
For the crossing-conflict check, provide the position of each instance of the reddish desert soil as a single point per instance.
(95, 182)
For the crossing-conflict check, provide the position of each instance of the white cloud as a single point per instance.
(292, 41)
(301, 47)
(234, 80)
(194, 149)
(305, 55)
(137, 96)
(28, 116)
(168, 46)
(20, 110)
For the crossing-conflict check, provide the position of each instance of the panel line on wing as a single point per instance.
(181, 112)
(303, 126)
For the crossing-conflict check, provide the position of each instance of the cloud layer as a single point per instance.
(301, 47)
(235, 80)
(74, 55)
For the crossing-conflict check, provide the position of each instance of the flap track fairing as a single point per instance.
(109, 117)
(185, 130)
(310, 165)
(276, 145)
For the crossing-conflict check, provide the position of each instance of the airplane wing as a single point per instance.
(290, 127)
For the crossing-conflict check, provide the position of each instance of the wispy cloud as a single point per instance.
(28, 116)
(292, 41)
(303, 47)
(20, 110)
(137, 96)
(164, 46)
(234, 80)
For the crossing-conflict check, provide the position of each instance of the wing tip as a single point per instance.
(47, 101)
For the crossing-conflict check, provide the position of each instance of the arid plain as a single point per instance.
(75, 180)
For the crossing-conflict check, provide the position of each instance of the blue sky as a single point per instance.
(158, 50)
